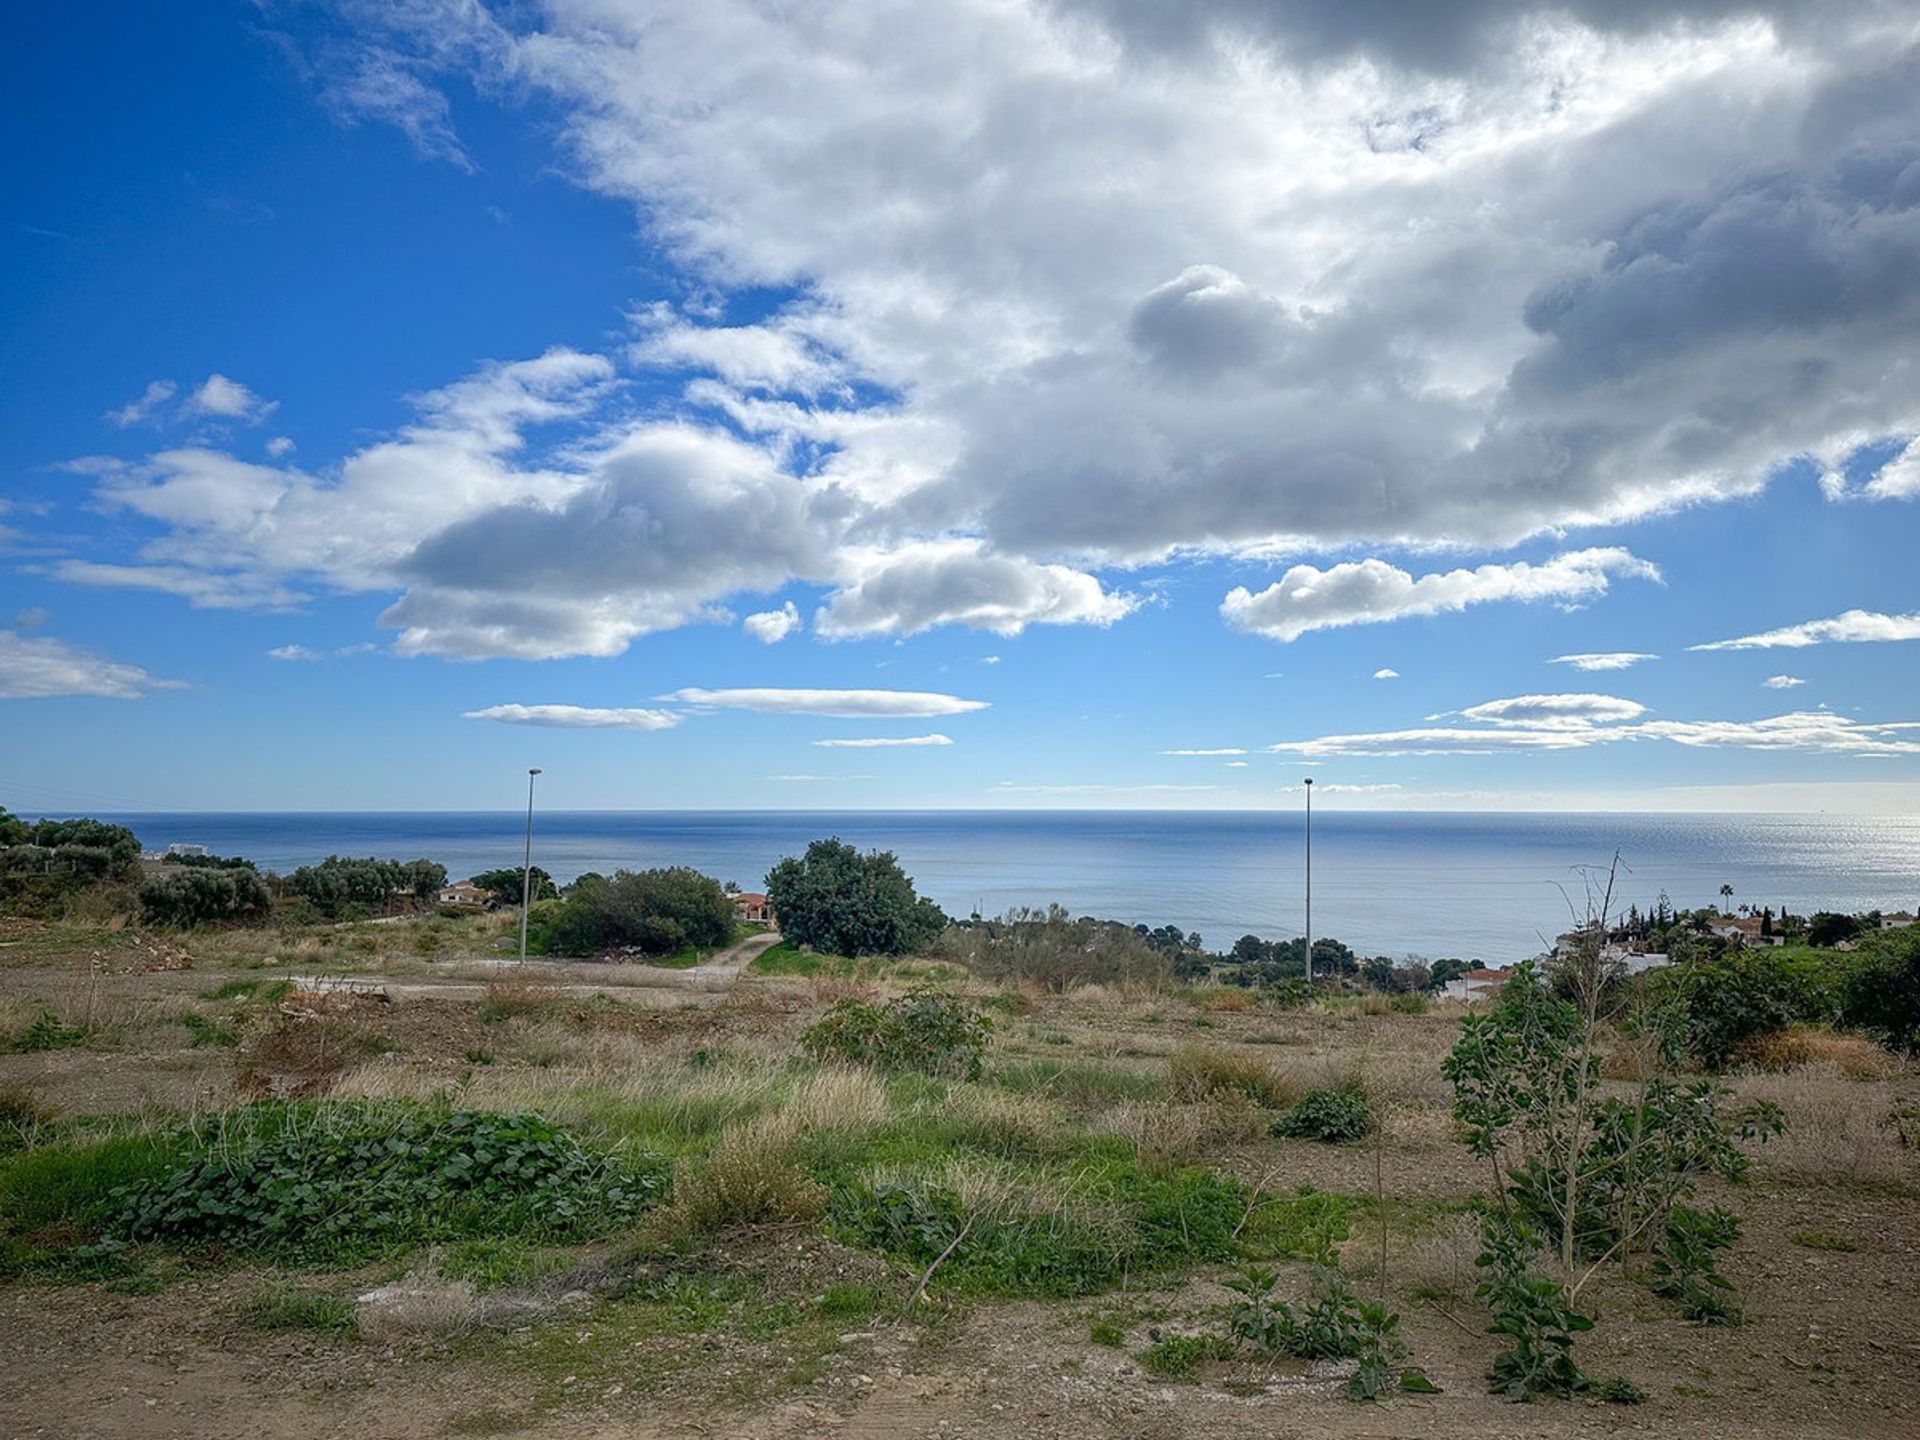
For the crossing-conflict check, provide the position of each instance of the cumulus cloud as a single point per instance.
(1603, 659)
(880, 742)
(1369, 592)
(958, 582)
(1851, 627)
(1899, 478)
(280, 446)
(578, 717)
(39, 667)
(1782, 682)
(1385, 674)
(294, 653)
(1294, 280)
(840, 704)
(218, 398)
(1222, 750)
(770, 627)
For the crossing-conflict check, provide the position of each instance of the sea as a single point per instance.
(1490, 887)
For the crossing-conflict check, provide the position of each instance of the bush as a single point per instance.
(48, 1032)
(341, 886)
(1047, 947)
(923, 1030)
(1334, 1325)
(845, 903)
(201, 895)
(1880, 990)
(656, 912)
(1736, 997)
(344, 1181)
(1332, 1116)
(1179, 1357)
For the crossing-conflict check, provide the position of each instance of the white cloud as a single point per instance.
(1555, 711)
(1368, 592)
(1852, 627)
(1817, 731)
(280, 447)
(1899, 478)
(578, 717)
(294, 652)
(218, 398)
(770, 627)
(1223, 750)
(841, 704)
(32, 618)
(878, 742)
(989, 659)
(38, 667)
(1339, 789)
(1237, 764)
(1603, 659)
(1782, 682)
(958, 582)
(1301, 280)
(1007, 787)
(1384, 674)
(145, 406)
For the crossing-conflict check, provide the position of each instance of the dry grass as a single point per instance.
(1200, 1073)
(1853, 1055)
(999, 1122)
(752, 1179)
(1840, 1131)
(1169, 1136)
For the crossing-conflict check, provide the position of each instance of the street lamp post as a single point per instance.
(1309, 950)
(526, 870)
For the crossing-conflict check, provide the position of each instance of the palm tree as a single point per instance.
(1726, 894)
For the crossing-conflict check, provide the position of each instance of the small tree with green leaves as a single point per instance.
(1578, 1176)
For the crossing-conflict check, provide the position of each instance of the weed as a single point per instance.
(281, 1307)
(47, 1032)
(21, 1118)
(347, 1180)
(203, 1031)
(1824, 1240)
(1199, 1072)
(1331, 1116)
(477, 1056)
(1179, 1357)
(851, 1304)
(923, 1030)
(1684, 1264)
(1104, 1330)
(752, 1178)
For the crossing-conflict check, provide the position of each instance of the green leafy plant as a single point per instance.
(337, 1181)
(1331, 1116)
(47, 1032)
(1531, 1312)
(1335, 1324)
(1684, 1264)
(923, 1030)
(1179, 1357)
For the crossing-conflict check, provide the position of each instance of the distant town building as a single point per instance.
(1472, 985)
(750, 908)
(182, 847)
(1898, 920)
(464, 895)
(1744, 928)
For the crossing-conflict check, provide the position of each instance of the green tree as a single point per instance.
(844, 903)
(656, 912)
(504, 884)
(199, 895)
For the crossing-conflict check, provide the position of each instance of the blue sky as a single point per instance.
(402, 396)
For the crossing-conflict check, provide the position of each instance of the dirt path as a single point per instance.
(638, 984)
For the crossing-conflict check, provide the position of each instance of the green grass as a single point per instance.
(1076, 1084)
(47, 1032)
(264, 992)
(202, 1031)
(784, 958)
(1825, 1240)
(494, 1264)
(284, 1307)
(1179, 1357)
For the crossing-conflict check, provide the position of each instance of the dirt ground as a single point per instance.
(1830, 1347)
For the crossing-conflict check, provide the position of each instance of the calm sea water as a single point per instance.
(1492, 887)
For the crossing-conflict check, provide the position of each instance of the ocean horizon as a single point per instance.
(1476, 885)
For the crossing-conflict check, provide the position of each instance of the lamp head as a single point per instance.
(536, 772)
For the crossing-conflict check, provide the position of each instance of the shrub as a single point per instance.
(340, 886)
(1736, 997)
(201, 896)
(349, 1180)
(1880, 990)
(752, 1178)
(923, 1030)
(656, 912)
(1050, 948)
(1332, 1116)
(1684, 1267)
(845, 903)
